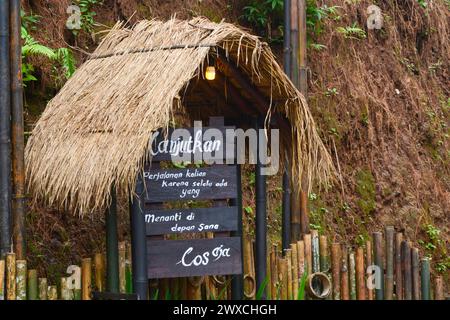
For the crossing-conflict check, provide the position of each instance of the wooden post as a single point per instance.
(249, 279)
(378, 254)
(370, 293)
(11, 276)
(398, 266)
(288, 256)
(407, 277)
(122, 258)
(2, 279)
(128, 268)
(345, 294)
(425, 279)
(282, 276)
(324, 255)
(295, 279)
(274, 274)
(52, 293)
(389, 289)
(66, 293)
(360, 272)
(21, 280)
(308, 253)
(438, 288)
(335, 270)
(352, 275)
(86, 278)
(33, 293)
(194, 288)
(301, 258)
(43, 287)
(315, 251)
(99, 268)
(415, 264)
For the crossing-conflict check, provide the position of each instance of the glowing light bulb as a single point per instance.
(210, 73)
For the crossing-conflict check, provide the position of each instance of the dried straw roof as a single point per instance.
(94, 133)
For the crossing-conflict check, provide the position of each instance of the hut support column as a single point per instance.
(17, 133)
(5, 132)
(138, 240)
(286, 211)
(112, 246)
(261, 214)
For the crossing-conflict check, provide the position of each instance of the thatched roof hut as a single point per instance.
(94, 134)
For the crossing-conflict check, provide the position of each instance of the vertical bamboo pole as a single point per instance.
(65, 291)
(415, 264)
(248, 281)
(315, 251)
(378, 254)
(194, 286)
(308, 253)
(2, 279)
(21, 280)
(352, 274)
(369, 260)
(295, 283)
(360, 279)
(324, 255)
(122, 258)
(52, 293)
(289, 273)
(32, 285)
(438, 288)
(99, 268)
(11, 276)
(407, 278)
(86, 278)
(389, 289)
(425, 279)
(282, 275)
(345, 293)
(43, 287)
(269, 276)
(301, 258)
(335, 270)
(398, 266)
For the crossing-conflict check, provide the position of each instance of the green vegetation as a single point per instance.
(436, 247)
(352, 32)
(365, 188)
(87, 14)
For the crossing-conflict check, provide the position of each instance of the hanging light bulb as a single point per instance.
(210, 73)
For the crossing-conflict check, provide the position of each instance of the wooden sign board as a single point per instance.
(211, 183)
(188, 258)
(194, 220)
(193, 143)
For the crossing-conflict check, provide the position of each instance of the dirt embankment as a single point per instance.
(380, 99)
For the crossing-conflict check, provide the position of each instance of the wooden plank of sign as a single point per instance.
(188, 258)
(216, 182)
(194, 220)
(197, 140)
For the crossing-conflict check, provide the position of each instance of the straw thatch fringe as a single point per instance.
(95, 132)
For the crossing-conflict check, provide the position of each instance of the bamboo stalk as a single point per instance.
(274, 274)
(21, 280)
(269, 276)
(389, 288)
(360, 279)
(425, 279)
(194, 286)
(352, 275)
(86, 279)
(175, 288)
(52, 293)
(32, 285)
(378, 255)
(122, 258)
(438, 288)
(370, 293)
(66, 293)
(324, 255)
(43, 289)
(289, 273)
(308, 254)
(282, 276)
(315, 251)
(11, 276)
(415, 264)
(335, 270)
(301, 258)
(407, 279)
(345, 294)
(295, 280)
(2, 280)
(398, 266)
(99, 268)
